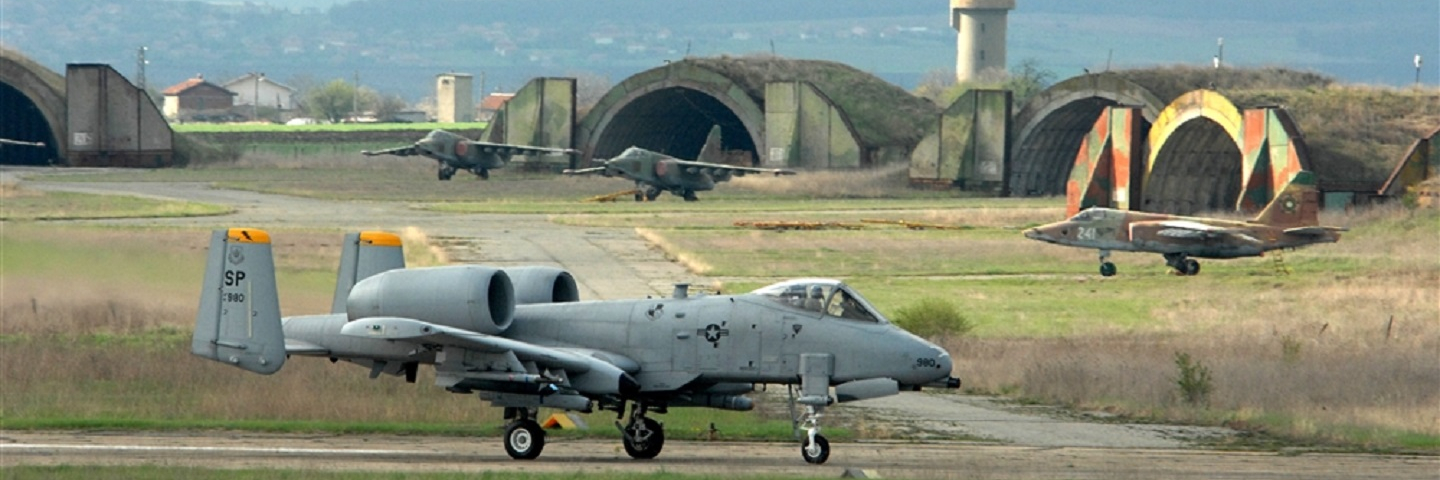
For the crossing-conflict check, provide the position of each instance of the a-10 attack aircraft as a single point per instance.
(655, 172)
(1289, 221)
(455, 153)
(520, 339)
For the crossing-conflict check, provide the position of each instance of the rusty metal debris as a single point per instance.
(915, 225)
(612, 197)
(792, 225)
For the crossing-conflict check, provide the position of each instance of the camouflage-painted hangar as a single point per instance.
(1100, 139)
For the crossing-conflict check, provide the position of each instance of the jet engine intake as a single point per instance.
(542, 285)
(470, 297)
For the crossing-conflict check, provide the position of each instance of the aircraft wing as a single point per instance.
(409, 330)
(1193, 230)
(692, 166)
(584, 171)
(1314, 231)
(397, 151)
(508, 149)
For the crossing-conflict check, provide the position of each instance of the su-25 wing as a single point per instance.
(723, 170)
(520, 338)
(506, 149)
(397, 151)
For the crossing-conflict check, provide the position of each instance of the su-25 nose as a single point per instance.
(1032, 233)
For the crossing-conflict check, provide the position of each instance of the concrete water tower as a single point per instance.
(980, 43)
(454, 100)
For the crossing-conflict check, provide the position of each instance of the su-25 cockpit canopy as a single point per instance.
(823, 296)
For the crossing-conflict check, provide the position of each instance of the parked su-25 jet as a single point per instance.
(655, 172)
(1289, 221)
(520, 339)
(455, 153)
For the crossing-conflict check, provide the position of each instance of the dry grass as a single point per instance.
(880, 182)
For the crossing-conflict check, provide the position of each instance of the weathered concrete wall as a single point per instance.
(111, 122)
(541, 114)
(1420, 163)
(970, 147)
(804, 129)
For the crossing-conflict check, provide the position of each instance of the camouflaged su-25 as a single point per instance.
(521, 339)
(455, 153)
(655, 172)
(1289, 221)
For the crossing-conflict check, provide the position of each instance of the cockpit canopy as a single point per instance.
(824, 296)
(1094, 215)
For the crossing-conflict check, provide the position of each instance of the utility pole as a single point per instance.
(140, 68)
(355, 99)
(255, 100)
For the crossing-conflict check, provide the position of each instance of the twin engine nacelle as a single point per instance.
(476, 298)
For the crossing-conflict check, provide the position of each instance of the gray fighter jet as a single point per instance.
(521, 339)
(455, 153)
(655, 172)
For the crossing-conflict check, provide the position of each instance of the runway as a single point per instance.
(385, 453)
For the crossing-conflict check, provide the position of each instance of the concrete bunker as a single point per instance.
(33, 100)
(1053, 123)
(772, 111)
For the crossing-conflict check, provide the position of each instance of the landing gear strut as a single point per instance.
(643, 436)
(446, 172)
(484, 173)
(524, 439)
(815, 448)
(1182, 264)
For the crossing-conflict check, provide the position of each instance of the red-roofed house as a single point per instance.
(490, 104)
(197, 99)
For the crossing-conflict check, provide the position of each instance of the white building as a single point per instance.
(269, 93)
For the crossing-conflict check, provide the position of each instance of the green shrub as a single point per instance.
(933, 317)
(1194, 380)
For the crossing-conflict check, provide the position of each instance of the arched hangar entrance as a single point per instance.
(772, 111)
(674, 120)
(1053, 123)
(1195, 161)
(33, 106)
(671, 110)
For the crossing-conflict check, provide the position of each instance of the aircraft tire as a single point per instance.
(524, 440)
(1192, 267)
(1107, 269)
(817, 453)
(689, 196)
(649, 448)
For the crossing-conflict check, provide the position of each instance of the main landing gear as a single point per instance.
(524, 439)
(446, 172)
(1107, 269)
(643, 436)
(1182, 264)
(484, 173)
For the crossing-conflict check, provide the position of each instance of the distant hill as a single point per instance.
(398, 47)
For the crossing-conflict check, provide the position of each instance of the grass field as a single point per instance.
(1340, 352)
(24, 204)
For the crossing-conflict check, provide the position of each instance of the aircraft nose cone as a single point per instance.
(1032, 234)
